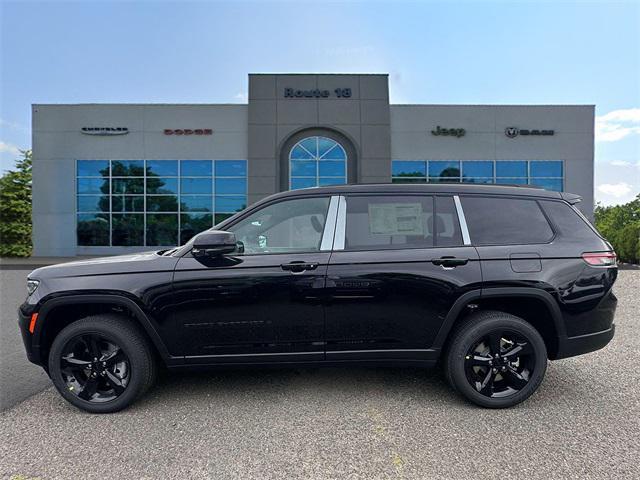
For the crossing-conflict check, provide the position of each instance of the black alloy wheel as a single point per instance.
(102, 363)
(95, 368)
(495, 359)
(500, 364)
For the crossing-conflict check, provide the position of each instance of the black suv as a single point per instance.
(490, 281)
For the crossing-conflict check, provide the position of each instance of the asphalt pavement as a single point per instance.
(19, 379)
(584, 422)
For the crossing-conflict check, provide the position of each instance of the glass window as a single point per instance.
(444, 179)
(477, 180)
(165, 203)
(196, 185)
(553, 184)
(316, 161)
(446, 225)
(408, 168)
(93, 203)
(408, 180)
(477, 168)
(389, 222)
(301, 182)
(127, 203)
(545, 168)
(444, 169)
(127, 168)
(192, 224)
(93, 185)
(231, 168)
(511, 169)
(505, 221)
(570, 223)
(127, 229)
(230, 204)
(92, 168)
(196, 168)
(130, 202)
(162, 186)
(512, 181)
(162, 168)
(285, 227)
(192, 203)
(162, 229)
(92, 230)
(127, 186)
(231, 186)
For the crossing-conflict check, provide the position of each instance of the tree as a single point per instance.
(620, 224)
(15, 209)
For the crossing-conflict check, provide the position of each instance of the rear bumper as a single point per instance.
(572, 346)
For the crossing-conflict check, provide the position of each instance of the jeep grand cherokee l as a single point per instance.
(489, 281)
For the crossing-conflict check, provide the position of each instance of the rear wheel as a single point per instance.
(496, 360)
(101, 364)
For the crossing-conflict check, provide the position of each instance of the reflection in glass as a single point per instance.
(92, 230)
(231, 168)
(162, 168)
(128, 203)
(477, 169)
(553, 184)
(317, 159)
(127, 168)
(92, 168)
(193, 203)
(545, 168)
(162, 203)
(127, 186)
(444, 169)
(128, 229)
(195, 168)
(511, 169)
(231, 186)
(192, 224)
(162, 186)
(93, 203)
(93, 185)
(162, 229)
(300, 182)
(196, 185)
(402, 168)
(230, 204)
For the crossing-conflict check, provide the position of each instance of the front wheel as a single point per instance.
(101, 364)
(495, 359)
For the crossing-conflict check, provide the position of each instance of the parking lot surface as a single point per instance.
(584, 422)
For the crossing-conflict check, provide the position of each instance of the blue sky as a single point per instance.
(453, 52)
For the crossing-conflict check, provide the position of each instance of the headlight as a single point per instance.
(32, 285)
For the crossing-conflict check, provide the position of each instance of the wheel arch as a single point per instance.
(80, 306)
(534, 305)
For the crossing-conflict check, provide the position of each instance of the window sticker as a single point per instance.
(396, 219)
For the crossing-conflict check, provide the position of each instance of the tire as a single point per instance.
(96, 386)
(472, 369)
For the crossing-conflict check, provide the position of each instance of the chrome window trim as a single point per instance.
(341, 223)
(463, 221)
(326, 244)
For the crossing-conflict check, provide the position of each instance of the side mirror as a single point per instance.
(213, 243)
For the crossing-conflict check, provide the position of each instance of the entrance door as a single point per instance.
(263, 303)
(398, 266)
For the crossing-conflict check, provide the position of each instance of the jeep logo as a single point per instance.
(513, 132)
(452, 132)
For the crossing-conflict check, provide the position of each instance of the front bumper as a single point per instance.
(32, 349)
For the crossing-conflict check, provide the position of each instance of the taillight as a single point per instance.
(600, 259)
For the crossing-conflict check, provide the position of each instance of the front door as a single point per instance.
(399, 264)
(263, 303)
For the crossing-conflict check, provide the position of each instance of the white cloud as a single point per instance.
(242, 96)
(618, 124)
(8, 148)
(617, 190)
(624, 163)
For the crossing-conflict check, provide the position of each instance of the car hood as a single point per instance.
(132, 263)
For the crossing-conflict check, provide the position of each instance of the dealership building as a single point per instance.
(117, 178)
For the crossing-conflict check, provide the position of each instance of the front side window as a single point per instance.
(317, 161)
(505, 221)
(291, 226)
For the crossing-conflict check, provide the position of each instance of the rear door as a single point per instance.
(398, 265)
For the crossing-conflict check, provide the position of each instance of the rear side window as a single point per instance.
(567, 220)
(389, 222)
(505, 221)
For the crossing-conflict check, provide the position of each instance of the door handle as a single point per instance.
(298, 267)
(449, 262)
